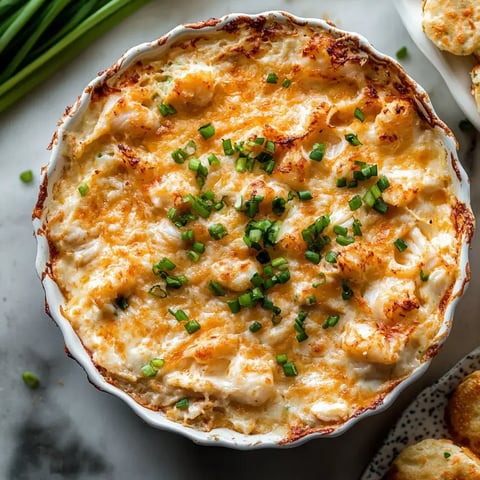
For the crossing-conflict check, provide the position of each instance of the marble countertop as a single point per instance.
(67, 429)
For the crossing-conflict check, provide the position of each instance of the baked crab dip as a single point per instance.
(257, 225)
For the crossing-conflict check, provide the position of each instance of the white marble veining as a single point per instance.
(69, 430)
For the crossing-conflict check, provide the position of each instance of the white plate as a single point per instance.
(454, 69)
(424, 418)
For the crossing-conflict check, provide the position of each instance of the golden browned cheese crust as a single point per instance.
(463, 412)
(434, 459)
(453, 25)
(235, 156)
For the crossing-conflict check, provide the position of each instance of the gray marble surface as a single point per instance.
(67, 429)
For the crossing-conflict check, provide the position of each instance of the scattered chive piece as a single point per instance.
(341, 182)
(313, 257)
(179, 315)
(192, 326)
(217, 231)
(286, 83)
(401, 53)
(331, 321)
(311, 299)
(424, 276)
(339, 230)
(272, 78)
(216, 288)
(157, 291)
(30, 380)
(246, 299)
(281, 358)
(207, 131)
(400, 244)
(355, 202)
(121, 302)
(255, 326)
(166, 109)
(83, 189)
(383, 183)
(356, 227)
(447, 455)
(380, 206)
(270, 146)
(193, 256)
(263, 257)
(352, 139)
(279, 262)
(289, 369)
(162, 265)
(148, 370)
(347, 292)
(331, 256)
(172, 213)
(175, 282)
(179, 155)
(345, 240)
(213, 159)
(187, 235)
(27, 177)
(322, 281)
(318, 151)
(198, 247)
(234, 305)
(227, 147)
(182, 404)
(278, 205)
(157, 362)
(359, 114)
(305, 195)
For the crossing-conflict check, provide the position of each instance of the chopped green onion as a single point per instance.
(193, 256)
(192, 326)
(83, 189)
(359, 114)
(278, 205)
(272, 78)
(339, 230)
(289, 369)
(217, 231)
(259, 141)
(270, 146)
(157, 291)
(347, 292)
(175, 282)
(423, 276)
(311, 299)
(179, 315)
(301, 337)
(447, 454)
(283, 276)
(331, 321)
(341, 182)
(179, 155)
(166, 109)
(162, 265)
(286, 83)
(256, 280)
(171, 213)
(380, 206)
(323, 280)
(255, 326)
(216, 288)
(190, 147)
(313, 257)
(234, 305)
(121, 302)
(281, 358)
(182, 404)
(198, 247)
(401, 53)
(227, 147)
(355, 202)
(352, 184)
(400, 244)
(246, 299)
(352, 139)
(187, 235)
(356, 227)
(331, 256)
(157, 362)
(27, 177)
(30, 380)
(207, 131)
(305, 195)
(279, 262)
(383, 183)
(257, 294)
(148, 370)
(345, 240)
(318, 151)
(263, 257)
(213, 159)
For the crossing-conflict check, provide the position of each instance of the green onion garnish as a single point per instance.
(255, 326)
(341, 182)
(355, 202)
(216, 288)
(162, 265)
(400, 244)
(246, 299)
(279, 262)
(192, 326)
(166, 109)
(207, 131)
(187, 235)
(352, 139)
(356, 227)
(193, 256)
(121, 302)
(305, 195)
(30, 380)
(27, 176)
(179, 315)
(174, 282)
(347, 292)
(331, 256)
(331, 321)
(383, 183)
(278, 205)
(380, 206)
(339, 230)
(179, 155)
(148, 370)
(423, 276)
(318, 151)
(234, 305)
(313, 257)
(286, 83)
(217, 231)
(157, 362)
(270, 146)
(345, 240)
(281, 358)
(272, 78)
(83, 189)
(157, 291)
(182, 404)
(213, 159)
(198, 247)
(359, 114)
(447, 454)
(289, 369)
(401, 53)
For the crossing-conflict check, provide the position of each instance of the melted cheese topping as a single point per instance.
(136, 201)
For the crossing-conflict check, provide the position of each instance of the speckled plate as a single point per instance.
(424, 418)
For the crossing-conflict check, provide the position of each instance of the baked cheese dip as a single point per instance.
(256, 228)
